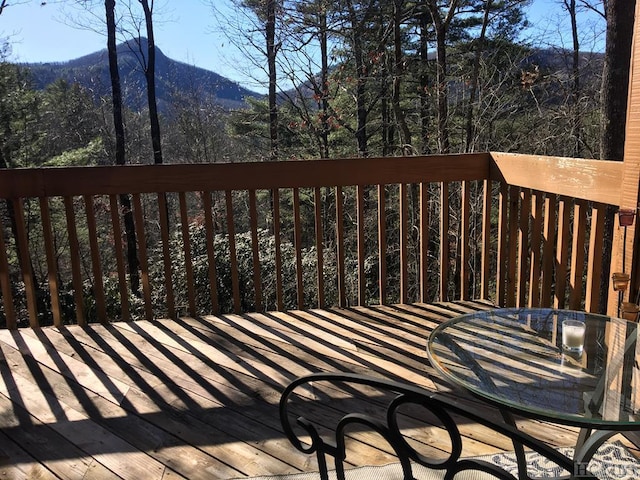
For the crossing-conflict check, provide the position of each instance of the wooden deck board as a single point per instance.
(198, 398)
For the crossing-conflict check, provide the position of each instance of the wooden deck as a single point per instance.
(197, 398)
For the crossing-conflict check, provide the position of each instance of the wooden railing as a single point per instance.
(515, 230)
(553, 228)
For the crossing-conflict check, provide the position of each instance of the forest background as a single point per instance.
(343, 78)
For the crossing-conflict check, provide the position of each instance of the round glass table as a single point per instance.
(515, 359)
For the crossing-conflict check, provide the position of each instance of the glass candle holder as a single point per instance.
(629, 311)
(620, 281)
(625, 217)
(573, 336)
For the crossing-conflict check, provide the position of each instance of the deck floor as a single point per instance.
(197, 398)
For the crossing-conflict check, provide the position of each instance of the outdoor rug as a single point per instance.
(612, 462)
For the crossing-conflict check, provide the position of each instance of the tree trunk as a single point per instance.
(424, 85)
(443, 90)
(362, 73)
(118, 123)
(150, 77)
(386, 131)
(441, 26)
(272, 50)
(324, 78)
(576, 123)
(405, 133)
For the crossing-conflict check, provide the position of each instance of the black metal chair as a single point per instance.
(328, 438)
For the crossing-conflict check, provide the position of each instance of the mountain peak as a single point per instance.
(172, 76)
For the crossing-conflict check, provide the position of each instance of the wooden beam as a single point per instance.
(625, 255)
(631, 170)
(106, 180)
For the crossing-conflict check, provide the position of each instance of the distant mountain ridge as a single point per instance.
(177, 81)
(172, 77)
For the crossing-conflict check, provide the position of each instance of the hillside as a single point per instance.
(172, 77)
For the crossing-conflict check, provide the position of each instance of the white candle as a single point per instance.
(573, 336)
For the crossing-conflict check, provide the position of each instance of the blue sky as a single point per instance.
(43, 33)
(185, 32)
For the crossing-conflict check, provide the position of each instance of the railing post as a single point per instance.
(625, 255)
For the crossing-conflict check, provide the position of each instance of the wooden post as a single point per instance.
(626, 255)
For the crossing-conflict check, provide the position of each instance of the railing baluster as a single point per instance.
(485, 263)
(278, 250)
(342, 296)
(186, 245)
(297, 240)
(119, 254)
(548, 249)
(362, 284)
(142, 255)
(594, 263)
(255, 248)
(5, 283)
(317, 198)
(535, 252)
(514, 212)
(444, 241)
(382, 243)
(465, 215)
(577, 254)
(166, 254)
(233, 260)
(52, 268)
(96, 264)
(424, 242)
(211, 254)
(404, 239)
(502, 248)
(562, 253)
(22, 243)
(523, 247)
(74, 253)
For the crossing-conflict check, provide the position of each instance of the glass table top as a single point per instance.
(514, 358)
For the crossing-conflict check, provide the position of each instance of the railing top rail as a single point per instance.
(594, 180)
(69, 181)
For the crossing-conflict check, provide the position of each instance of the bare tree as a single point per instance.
(252, 30)
(311, 28)
(150, 77)
(138, 30)
(501, 18)
(441, 22)
(4, 4)
(324, 82)
(114, 75)
(118, 124)
(475, 74)
(272, 52)
(306, 37)
(425, 104)
(570, 7)
(398, 63)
